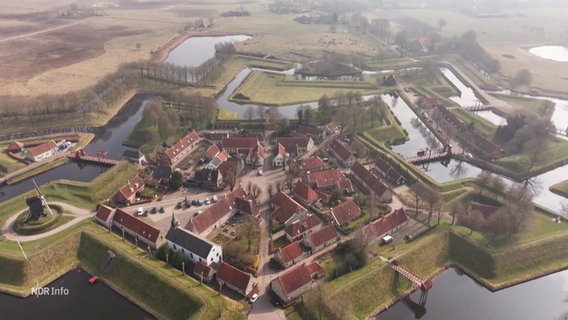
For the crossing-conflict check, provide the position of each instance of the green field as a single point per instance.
(278, 89)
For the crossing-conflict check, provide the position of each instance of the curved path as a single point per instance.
(80, 214)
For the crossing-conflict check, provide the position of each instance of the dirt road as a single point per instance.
(31, 34)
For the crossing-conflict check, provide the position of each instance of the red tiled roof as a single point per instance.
(291, 251)
(281, 150)
(227, 166)
(214, 213)
(302, 130)
(328, 179)
(293, 142)
(304, 192)
(315, 268)
(137, 226)
(223, 155)
(234, 276)
(325, 197)
(212, 136)
(485, 210)
(312, 164)
(260, 151)
(384, 225)
(183, 144)
(239, 142)
(104, 212)
(212, 151)
(42, 148)
(322, 236)
(130, 189)
(345, 212)
(16, 146)
(286, 207)
(202, 269)
(247, 205)
(340, 150)
(299, 227)
(369, 179)
(295, 279)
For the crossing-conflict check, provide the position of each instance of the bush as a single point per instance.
(162, 251)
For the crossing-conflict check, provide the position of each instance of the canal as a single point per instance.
(457, 296)
(72, 297)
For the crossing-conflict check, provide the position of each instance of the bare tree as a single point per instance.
(249, 113)
(270, 190)
(256, 191)
(249, 228)
(418, 188)
(483, 179)
(290, 182)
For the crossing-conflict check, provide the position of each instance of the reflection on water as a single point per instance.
(554, 53)
(456, 296)
(196, 50)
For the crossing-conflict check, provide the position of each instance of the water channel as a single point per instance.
(456, 296)
(72, 297)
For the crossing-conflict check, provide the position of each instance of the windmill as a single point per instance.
(42, 198)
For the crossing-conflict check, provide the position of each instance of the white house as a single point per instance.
(195, 248)
(42, 151)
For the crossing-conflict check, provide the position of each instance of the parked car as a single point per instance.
(140, 211)
(214, 199)
(207, 201)
(154, 210)
(196, 213)
(259, 172)
(162, 210)
(178, 205)
(194, 202)
(200, 202)
(253, 298)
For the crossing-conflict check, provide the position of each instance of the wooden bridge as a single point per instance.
(100, 158)
(424, 285)
(427, 155)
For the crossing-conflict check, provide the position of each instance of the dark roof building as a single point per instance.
(194, 247)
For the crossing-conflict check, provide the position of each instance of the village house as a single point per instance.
(315, 269)
(386, 225)
(304, 194)
(104, 215)
(237, 280)
(328, 180)
(344, 213)
(162, 174)
(211, 152)
(217, 160)
(231, 168)
(371, 182)
(216, 215)
(135, 155)
(287, 209)
(180, 149)
(203, 272)
(330, 127)
(16, 146)
(137, 228)
(211, 179)
(127, 194)
(246, 147)
(215, 138)
(383, 168)
(296, 146)
(317, 134)
(311, 164)
(42, 151)
(279, 156)
(298, 229)
(231, 126)
(321, 239)
(342, 153)
(247, 206)
(194, 247)
(292, 284)
(289, 254)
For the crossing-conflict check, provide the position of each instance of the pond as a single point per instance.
(72, 297)
(196, 50)
(457, 296)
(554, 53)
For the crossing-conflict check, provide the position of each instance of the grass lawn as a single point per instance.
(560, 188)
(483, 126)
(279, 89)
(225, 114)
(535, 107)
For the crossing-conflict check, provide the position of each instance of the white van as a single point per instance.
(386, 239)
